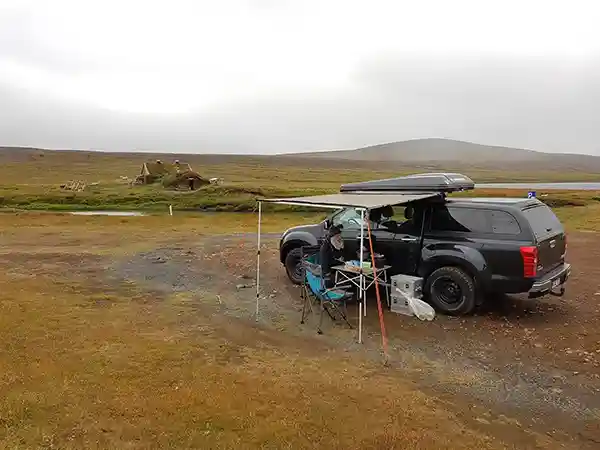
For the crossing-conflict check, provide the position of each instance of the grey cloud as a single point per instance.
(534, 104)
(548, 105)
(22, 42)
(19, 42)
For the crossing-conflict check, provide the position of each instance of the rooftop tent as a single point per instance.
(423, 182)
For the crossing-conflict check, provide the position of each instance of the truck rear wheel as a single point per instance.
(451, 291)
(293, 266)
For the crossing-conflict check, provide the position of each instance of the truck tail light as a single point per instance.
(530, 261)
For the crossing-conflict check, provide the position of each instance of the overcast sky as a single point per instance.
(269, 76)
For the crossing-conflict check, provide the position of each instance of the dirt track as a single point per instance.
(535, 360)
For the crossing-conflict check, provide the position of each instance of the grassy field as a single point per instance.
(31, 180)
(90, 363)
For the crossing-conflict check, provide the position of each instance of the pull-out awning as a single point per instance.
(357, 200)
(361, 200)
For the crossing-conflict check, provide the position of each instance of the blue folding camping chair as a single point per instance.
(331, 300)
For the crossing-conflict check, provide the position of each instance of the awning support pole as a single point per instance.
(258, 259)
(360, 280)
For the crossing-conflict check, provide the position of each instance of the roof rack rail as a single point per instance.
(422, 182)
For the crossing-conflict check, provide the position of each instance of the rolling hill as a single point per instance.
(417, 155)
(436, 150)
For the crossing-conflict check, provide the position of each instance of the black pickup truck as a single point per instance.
(464, 248)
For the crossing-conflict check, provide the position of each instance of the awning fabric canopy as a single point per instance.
(357, 200)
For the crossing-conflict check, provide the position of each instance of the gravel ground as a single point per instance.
(537, 360)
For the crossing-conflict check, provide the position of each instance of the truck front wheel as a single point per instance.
(451, 290)
(293, 265)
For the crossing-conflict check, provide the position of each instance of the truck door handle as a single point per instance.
(408, 239)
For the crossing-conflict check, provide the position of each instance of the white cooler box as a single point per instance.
(404, 286)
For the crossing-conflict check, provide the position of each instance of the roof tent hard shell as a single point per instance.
(422, 182)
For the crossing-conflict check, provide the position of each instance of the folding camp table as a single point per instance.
(346, 273)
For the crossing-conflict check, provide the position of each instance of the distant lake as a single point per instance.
(575, 186)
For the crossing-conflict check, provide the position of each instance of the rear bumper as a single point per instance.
(551, 282)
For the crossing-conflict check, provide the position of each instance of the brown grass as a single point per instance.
(111, 234)
(31, 180)
(86, 363)
(125, 374)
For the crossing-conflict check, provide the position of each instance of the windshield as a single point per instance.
(349, 219)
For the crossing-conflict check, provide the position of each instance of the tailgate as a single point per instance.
(551, 252)
(549, 235)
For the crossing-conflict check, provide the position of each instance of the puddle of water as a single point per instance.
(107, 213)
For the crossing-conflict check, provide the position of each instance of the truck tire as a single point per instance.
(451, 291)
(292, 265)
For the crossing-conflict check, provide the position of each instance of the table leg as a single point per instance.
(371, 282)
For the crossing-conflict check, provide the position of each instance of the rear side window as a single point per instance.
(542, 220)
(460, 219)
(504, 223)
